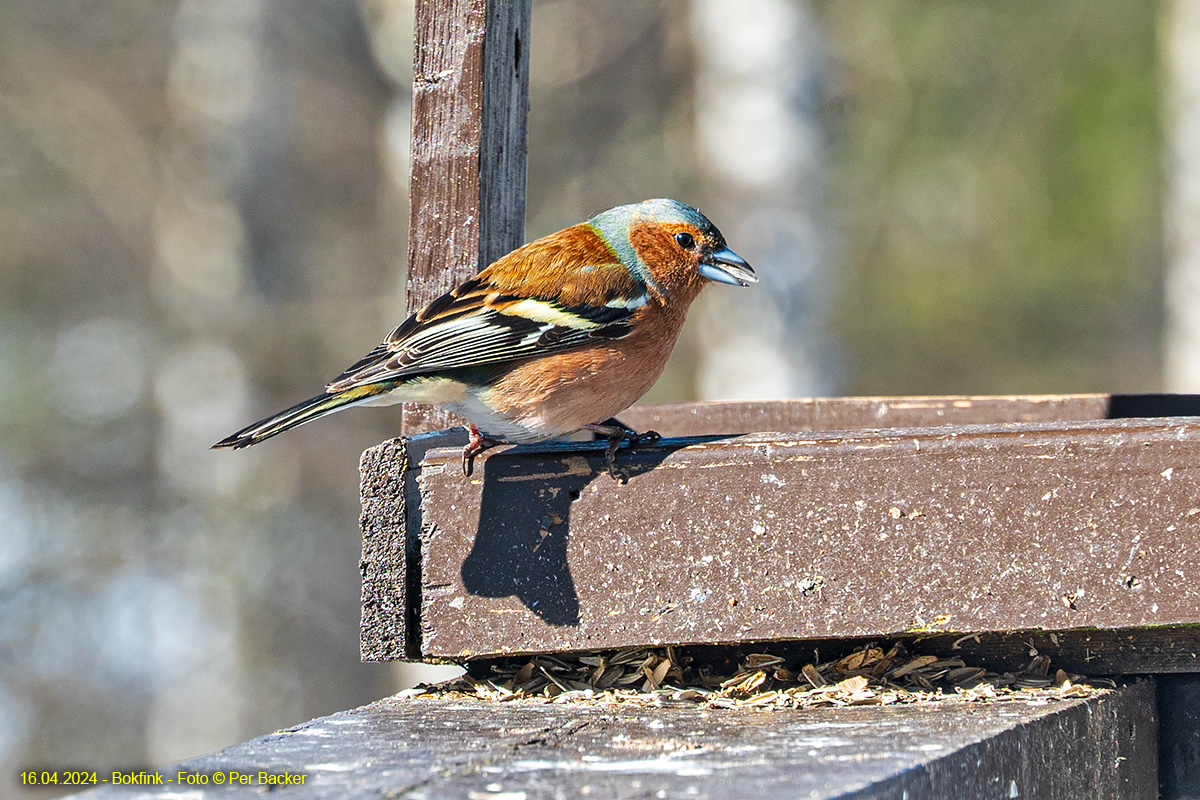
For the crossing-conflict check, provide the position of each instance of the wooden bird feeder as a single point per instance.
(992, 526)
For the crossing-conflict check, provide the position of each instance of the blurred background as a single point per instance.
(202, 220)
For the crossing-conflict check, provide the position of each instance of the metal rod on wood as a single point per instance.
(469, 145)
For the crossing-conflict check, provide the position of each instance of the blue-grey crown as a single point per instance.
(617, 221)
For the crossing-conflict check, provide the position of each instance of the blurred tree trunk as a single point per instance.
(760, 82)
(1182, 206)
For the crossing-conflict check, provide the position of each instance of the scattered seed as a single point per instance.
(813, 676)
(867, 676)
(915, 664)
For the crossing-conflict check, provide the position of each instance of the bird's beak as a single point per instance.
(726, 266)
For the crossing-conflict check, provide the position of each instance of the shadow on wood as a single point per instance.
(520, 545)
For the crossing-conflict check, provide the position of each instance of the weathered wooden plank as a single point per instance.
(852, 413)
(390, 597)
(1030, 527)
(469, 142)
(1101, 746)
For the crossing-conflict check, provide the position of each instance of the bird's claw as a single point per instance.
(476, 444)
(617, 435)
(610, 459)
(649, 437)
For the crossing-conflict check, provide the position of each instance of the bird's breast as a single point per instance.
(556, 395)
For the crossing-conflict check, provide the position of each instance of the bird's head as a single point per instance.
(671, 246)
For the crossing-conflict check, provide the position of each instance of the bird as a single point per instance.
(556, 337)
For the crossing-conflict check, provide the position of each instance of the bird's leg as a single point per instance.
(618, 432)
(626, 433)
(475, 445)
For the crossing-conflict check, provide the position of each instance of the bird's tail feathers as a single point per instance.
(312, 408)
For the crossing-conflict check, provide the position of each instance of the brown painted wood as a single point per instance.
(469, 142)
(853, 413)
(1101, 746)
(949, 530)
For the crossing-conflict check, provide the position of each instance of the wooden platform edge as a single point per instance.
(852, 413)
(1103, 745)
(1032, 526)
(391, 631)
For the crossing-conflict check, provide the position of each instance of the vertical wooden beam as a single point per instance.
(469, 144)
(1178, 736)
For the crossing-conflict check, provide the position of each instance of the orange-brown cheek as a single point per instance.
(671, 266)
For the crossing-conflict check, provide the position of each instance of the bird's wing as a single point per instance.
(565, 291)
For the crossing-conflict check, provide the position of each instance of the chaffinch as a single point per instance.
(558, 336)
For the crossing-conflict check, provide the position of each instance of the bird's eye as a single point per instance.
(685, 240)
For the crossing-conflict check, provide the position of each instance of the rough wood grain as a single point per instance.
(469, 142)
(1102, 746)
(391, 565)
(1029, 527)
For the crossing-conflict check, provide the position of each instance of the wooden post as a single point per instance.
(467, 184)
